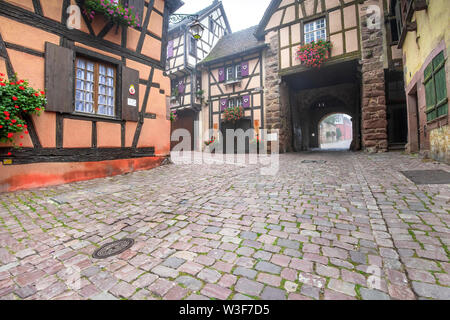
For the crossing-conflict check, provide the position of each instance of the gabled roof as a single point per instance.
(273, 6)
(201, 14)
(233, 44)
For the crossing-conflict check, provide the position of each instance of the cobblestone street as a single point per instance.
(351, 228)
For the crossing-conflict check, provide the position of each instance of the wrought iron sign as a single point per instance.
(177, 18)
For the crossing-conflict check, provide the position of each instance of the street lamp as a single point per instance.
(196, 27)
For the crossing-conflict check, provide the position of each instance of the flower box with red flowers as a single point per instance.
(17, 99)
(113, 11)
(315, 53)
(233, 114)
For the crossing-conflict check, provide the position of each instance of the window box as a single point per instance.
(115, 12)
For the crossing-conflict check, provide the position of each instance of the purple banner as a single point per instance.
(223, 104)
(246, 101)
(244, 69)
(170, 49)
(181, 86)
(221, 74)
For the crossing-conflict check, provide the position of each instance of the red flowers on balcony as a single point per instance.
(314, 54)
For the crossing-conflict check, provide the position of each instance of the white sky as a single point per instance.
(241, 14)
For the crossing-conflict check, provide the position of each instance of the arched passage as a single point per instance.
(335, 132)
(314, 105)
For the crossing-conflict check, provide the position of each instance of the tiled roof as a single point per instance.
(234, 43)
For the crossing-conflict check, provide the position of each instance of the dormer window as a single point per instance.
(315, 30)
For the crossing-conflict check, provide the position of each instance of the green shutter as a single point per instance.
(430, 94)
(441, 86)
(442, 110)
(436, 88)
(428, 72)
(438, 60)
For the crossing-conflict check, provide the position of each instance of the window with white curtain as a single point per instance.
(95, 87)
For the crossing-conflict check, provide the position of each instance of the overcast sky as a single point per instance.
(241, 13)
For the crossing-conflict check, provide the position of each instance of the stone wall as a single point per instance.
(440, 144)
(276, 97)
(374, 122)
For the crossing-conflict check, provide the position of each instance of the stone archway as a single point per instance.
(313, 105)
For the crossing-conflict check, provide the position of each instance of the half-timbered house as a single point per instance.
(233, 77)
(361, 78)
(106, 93)
(184, 52)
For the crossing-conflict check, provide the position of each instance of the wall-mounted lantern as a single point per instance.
(196, 28)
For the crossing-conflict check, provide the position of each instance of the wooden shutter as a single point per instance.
(223, 104)
(170, 49)
(59, 73)
(138, 9)
(181, 87)
(246, 101)
(244, 69)
(130, 103)
(221, 74)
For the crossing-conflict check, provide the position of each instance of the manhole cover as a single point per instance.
(314, 161)
(428, 176)
(113, 248)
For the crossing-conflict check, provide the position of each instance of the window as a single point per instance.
(95, 87)
(234, 72)
(193, 47)
(435, 88)
(238, 71)
(230, 73)
(235, 102)
(238, 102)
(315, 30)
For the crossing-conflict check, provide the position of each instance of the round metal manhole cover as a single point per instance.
(113, 248)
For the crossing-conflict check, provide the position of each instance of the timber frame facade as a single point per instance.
(37, 45)
(361, 74)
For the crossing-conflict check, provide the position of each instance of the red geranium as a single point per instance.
(17, 99)
(314, 54)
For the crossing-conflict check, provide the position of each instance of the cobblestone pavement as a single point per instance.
(352, 228)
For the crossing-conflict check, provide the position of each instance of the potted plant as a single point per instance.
(210, 144)
(17, 99)
(113, 11)
(173, 116)
(315, 53)
(233, 114)
(199, 94)
(256, 142)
